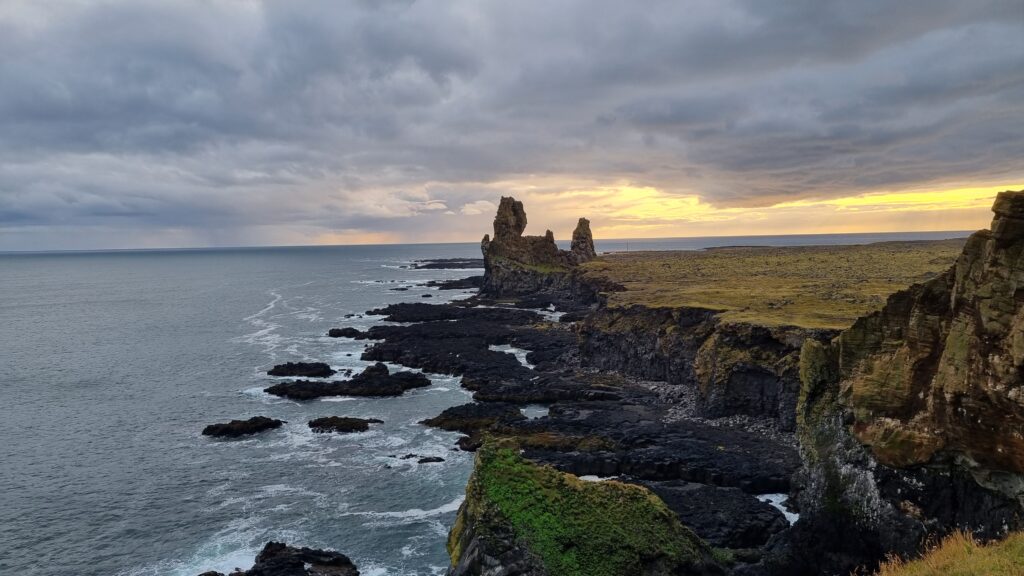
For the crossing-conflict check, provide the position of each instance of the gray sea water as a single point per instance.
(112, 363)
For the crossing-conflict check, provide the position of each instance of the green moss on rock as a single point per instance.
(579, 528)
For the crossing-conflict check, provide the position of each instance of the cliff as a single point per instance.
(729, 323)
(515, 264)
(911, 422)
(521, 518)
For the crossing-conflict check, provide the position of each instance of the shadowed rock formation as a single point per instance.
(517, 264)
(912, 421)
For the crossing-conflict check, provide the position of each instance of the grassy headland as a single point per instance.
(580, 528)
(810, 287)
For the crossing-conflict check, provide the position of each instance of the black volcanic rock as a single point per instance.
(342, 424)
(474, 416)
(236, 428)
(344, 333)
(430, 460)
(277, 559)
(302, 370)
(723, 517)
(374, 381)
(423, 312)
(457, 284)
(449, 264)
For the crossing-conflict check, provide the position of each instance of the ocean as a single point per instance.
(114, 361)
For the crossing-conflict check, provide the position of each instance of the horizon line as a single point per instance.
(625, 239)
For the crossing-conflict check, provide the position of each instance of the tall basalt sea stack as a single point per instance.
(518, 264)
(911, 422)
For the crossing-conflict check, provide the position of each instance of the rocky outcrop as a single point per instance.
(520, 518)
(374, 381)
(302, 370)
(736, 368)
(582, 247)
(342, 424)
(236, 428)
(516, 264)
(277, 559)
(911, 422)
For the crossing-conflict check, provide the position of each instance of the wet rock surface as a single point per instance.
(302, 370)
(375, 380)
(342, 424)
(277, 559)
(236, 428)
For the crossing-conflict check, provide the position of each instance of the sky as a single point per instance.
(181, 123)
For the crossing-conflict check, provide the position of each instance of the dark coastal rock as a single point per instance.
(736, 368)
(423, 312)
(449, 264)
(430, 460)
(723, 517)
(474, 416)
(344, 333)
(467, 283)
(277, 559)
(302, 370)
(342, 424)
(374, 381)
(237, 428)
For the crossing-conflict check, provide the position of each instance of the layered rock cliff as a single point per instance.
(515, 264)
(911, 422)
(736, 368)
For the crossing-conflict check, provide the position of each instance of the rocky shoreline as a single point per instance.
(698, 415)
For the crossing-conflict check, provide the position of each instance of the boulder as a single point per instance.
(237, 428)
(344, 333)
(302, 370)
(342, 424)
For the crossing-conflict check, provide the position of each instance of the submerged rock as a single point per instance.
(237, 428)
(277, 559)
(342, 424)
(373, 381)
(302, 370)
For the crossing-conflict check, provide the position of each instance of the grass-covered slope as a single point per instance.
(575, 528)
(960, 555)
(809, 287)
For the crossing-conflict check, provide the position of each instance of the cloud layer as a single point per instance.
(183, 122)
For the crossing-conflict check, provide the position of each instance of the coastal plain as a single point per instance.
(804, 286)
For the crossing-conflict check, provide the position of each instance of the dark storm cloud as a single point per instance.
(327, 115)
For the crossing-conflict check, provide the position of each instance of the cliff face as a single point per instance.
(912, 421)
(516, 264)
(736, 368)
